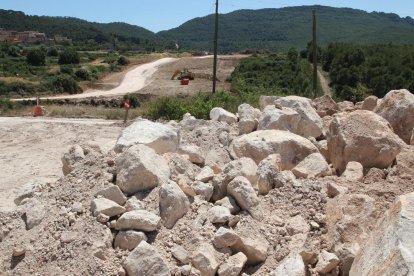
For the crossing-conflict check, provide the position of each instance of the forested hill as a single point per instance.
(291, 27)
(77, 29)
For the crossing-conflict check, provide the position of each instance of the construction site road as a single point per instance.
(154, 78)
(31, 149)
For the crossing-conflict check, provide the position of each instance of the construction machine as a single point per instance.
(183, 74)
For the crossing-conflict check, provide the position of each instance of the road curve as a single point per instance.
(133, 81)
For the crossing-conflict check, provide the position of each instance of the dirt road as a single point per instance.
(31, 148)
(324, 82)
(155, 78)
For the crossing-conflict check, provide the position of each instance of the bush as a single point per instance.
(82, 74)
(53, 52)
(123, 61)
(36, 57)
(66, 70)
(65, 83)
(6, 104)
(69, 56)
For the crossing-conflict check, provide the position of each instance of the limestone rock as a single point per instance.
(107, 207)
(397, 107)
(260, 144)
(225, 238)
(160, 137)
(291, 266)
(314, 165)
(174, 203)
(35, 212)
(370, 103)
(134, 203)
(325, 106)
(310, 124)
(296, 225)
(194, 153)
(180, 254)
(219, 215)
(241, 167)
(139, 168)
(412, 138)
(281, 119)
(248, 121)
(255, 249)
(362, 136)
(138, 220)
(71, 157)
(233, 266)
(204, 259)
(284, 178)
(242, 191)
(346, 106)
(28, 191)
(222, 115)
(266, 101)
(129, 239)
(113, 193)
(390, 248)
(205, 175)
(229, 203)
(334, 190)
(203, 189)
(353, 171)
(145, 260)
(327, 262)
(266, 173)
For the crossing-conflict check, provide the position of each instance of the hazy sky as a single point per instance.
(157, 15)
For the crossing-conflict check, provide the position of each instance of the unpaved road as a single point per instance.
(31, 149)
(155, 78)
(324, 83)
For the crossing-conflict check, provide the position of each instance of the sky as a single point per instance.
(158, 15)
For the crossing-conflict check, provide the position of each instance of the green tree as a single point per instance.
(36, 57)
(69, 56)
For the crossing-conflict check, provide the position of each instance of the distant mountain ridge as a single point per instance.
(274, 29)
(291, 27)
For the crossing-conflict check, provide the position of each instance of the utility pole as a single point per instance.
(315, 61)
(215, 49)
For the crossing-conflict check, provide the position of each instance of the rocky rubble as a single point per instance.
(270, 192)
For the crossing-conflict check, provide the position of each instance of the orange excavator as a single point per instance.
(183, 74)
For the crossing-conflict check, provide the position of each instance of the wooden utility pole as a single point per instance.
(315, 60)
(215, 49)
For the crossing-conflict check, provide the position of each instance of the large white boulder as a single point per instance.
(370, 103)
(129, 239)
(145, 260)
(325, 106)
(292, 265)
(248, 116)
(260, 144)
(204, 259)
(233, 266)
(161, 138)
(113, 193)
(242, 191)
(390, 248)
(266, 173)
(310, 124)
(35, 212)
(222, 115)
(282, 119)
(362, 136)
(314, 165)
(397, 107)
(174, 203)
(267, 100)
(139, 168)
(107, 207)
(138, 220)
(69, 159)
(354, 171)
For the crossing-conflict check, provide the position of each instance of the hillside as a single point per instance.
(283, 28)
(77, 29)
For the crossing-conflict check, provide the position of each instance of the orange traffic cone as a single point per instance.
(38, 109)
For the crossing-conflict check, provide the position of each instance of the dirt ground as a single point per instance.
(31, 148)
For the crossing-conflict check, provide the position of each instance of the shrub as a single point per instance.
(53, 52)
(82, 74)
(69, 56)
(65, 83)
(122, 61)
(36, 57)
